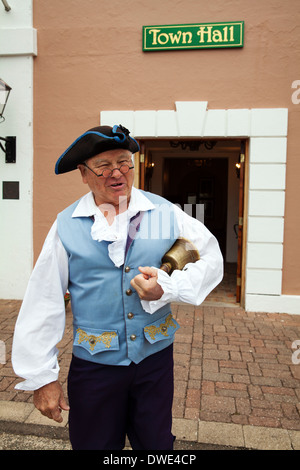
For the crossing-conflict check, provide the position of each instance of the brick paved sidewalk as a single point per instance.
(234, 366)
(231, 368)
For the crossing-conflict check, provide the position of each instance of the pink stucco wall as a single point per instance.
(90, 59)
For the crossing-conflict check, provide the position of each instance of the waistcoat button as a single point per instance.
(127, 269)
(128, 292)
(133, 337)
(130, 315)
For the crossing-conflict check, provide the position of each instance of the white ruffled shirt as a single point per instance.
(41, 321)
(118, 230)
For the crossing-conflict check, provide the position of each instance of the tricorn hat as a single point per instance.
(92, 142)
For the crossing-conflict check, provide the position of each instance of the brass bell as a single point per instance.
(182, 252)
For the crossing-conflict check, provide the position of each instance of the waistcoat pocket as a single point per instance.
(96, 341)
(161, 329)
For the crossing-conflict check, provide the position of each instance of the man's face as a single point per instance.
(109, 190)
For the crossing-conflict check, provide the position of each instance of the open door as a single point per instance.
(241, 170)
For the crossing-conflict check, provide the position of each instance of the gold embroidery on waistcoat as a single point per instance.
(104, 338)
(162, 328)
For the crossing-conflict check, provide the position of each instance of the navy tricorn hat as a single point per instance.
(92, 142)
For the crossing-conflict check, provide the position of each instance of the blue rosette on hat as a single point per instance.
(92, 142)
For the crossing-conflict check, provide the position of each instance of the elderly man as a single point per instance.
(106, 249)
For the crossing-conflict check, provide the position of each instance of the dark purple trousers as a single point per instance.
(108, 402)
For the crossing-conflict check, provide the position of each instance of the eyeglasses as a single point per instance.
(124, 168)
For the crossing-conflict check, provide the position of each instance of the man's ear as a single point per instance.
(82, 170)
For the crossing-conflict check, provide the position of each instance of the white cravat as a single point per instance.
(115, 233)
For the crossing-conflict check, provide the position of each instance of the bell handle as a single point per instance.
(166, 267)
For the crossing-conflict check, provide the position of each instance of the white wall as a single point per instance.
(17, 49)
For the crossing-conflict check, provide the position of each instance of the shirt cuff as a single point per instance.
(34, 383)
(170, 293)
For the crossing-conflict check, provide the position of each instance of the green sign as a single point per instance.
(193, 36)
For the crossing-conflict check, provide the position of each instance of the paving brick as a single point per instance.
(193, 398)
(233, 364)
(254, 369)
(231, 386)
(218, 404)
(216, 354)
(178, 407)
(181, 359)
(192, 413)
(244, 379)
(255, 391)
(210, 366)
(234, 371)
(235, 356)
(221, 340)
(243, 406)
(278, 391)
(215, 417)
(194, 383)
(290, 424)
(263, 421)
(266, 381)
(256, 342)
(208, 388)
(267, 413)
(291, 411)
(281, 398)
(180, 388)
(295, 370)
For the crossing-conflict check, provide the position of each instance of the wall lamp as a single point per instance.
(10, 142)
(6, 5)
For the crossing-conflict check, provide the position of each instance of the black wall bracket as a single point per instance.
(9, 149)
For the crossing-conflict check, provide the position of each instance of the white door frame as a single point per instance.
(266, 130)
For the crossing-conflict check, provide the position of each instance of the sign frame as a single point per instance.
(224, 34)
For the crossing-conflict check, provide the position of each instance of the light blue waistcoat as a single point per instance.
(110, 326)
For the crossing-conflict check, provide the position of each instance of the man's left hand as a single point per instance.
(146, 284)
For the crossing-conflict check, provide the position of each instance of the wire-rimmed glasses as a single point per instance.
(107, 173)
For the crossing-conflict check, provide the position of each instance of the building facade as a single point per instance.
(216, 118)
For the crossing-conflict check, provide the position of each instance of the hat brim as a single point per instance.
(94, 141)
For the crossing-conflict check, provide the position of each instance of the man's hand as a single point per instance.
(146, 284)
(49, 400)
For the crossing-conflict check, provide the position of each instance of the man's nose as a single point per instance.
(114, 175)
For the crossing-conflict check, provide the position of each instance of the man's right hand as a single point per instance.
(49, 400)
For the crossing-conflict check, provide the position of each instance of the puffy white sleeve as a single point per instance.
(41, 321)
(193, 284)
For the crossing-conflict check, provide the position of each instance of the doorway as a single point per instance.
(197, 181)
(209, 173)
